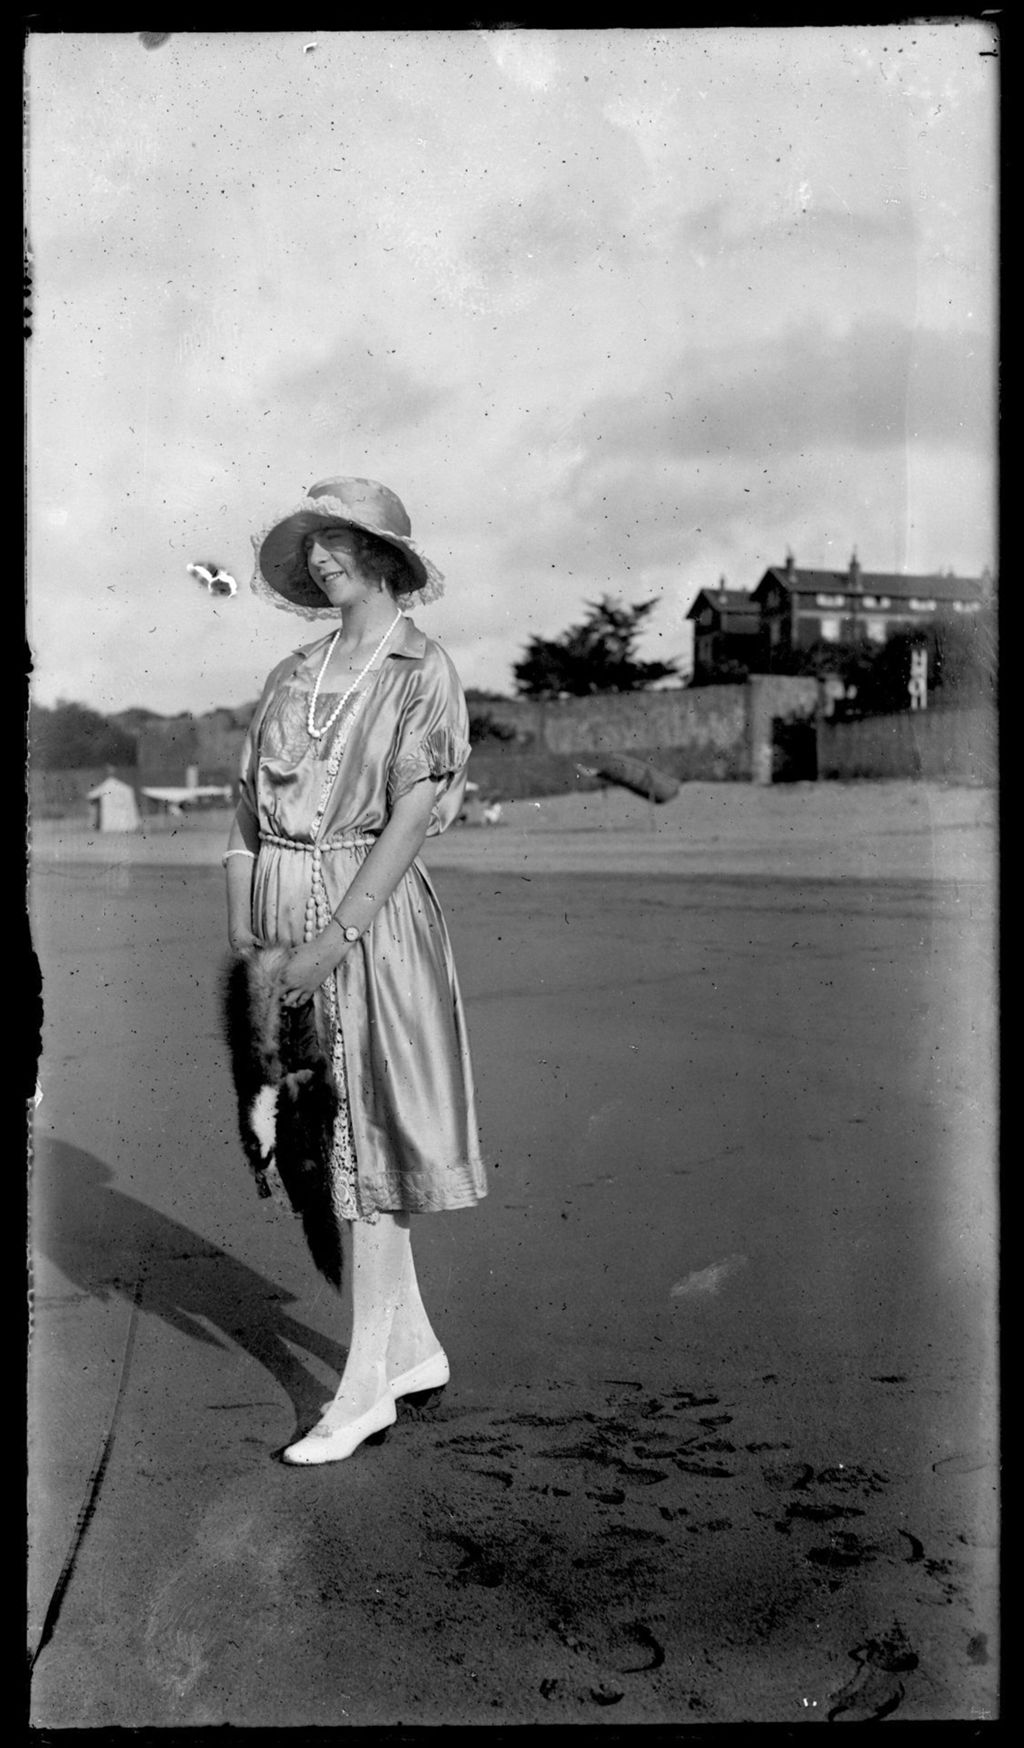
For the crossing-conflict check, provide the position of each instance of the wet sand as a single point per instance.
(719, 1442)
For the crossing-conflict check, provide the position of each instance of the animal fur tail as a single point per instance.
(287, 1100)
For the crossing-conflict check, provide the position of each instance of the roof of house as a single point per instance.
(934, 588)
(736, 601)
(109, 786)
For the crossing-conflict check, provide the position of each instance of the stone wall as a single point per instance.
(506, 773)
(717, 733)
(959, 745)
(523, 715)
(219, 747)
(774, 698)
(707, 733)
(167, 748)
(705, 726)
(213, 743)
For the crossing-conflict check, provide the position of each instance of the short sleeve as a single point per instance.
(432, 739)
(248, 762)
(247, 769)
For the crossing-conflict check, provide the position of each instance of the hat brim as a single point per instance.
(281, 558)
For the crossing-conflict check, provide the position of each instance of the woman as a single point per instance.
(356, 754)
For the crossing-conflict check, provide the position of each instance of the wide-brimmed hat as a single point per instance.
(361, 503)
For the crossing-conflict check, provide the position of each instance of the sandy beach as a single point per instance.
(719, 1444)
(806, 830)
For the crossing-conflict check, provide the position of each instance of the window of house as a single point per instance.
(877, 601)
(830, 600)
(876, 630)
(966, 606)
(831, 626)
(921, 606)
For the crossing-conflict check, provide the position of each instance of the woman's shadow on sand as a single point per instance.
(111, 1245)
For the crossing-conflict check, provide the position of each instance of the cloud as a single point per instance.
(729, 225)
(529, 237)
(525, 57)
(751, 437)
(356, 394)
(609, 309)
(876, 386)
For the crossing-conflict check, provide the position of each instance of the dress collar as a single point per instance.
(408, 640)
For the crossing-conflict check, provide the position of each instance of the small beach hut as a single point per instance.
(113, 807)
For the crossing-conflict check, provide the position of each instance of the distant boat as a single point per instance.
(177, 796)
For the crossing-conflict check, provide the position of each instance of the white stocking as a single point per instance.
(412, 1338)
(376, 1274)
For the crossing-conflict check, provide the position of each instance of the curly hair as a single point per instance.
(380, 559)
(375, 557)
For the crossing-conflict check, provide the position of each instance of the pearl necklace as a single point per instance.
(318, 733)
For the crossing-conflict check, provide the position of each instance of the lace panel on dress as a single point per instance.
(344, 1176)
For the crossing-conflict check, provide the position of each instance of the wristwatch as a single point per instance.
(350, 932)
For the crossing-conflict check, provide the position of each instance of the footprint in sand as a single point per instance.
(192, 1610)
(877, 1687)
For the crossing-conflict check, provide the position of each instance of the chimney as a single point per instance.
(854, 573)
(790, 562)
(191, 776)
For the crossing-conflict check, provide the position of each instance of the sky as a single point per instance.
(614, 312)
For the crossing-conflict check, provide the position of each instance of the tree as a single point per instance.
(70, 736)
(729, 671)
(595, 656)
(136, 717)
(966, 659)
(484, 726)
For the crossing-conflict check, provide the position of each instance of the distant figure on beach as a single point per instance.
(356, 754)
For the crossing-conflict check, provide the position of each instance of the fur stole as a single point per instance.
(287, 1100)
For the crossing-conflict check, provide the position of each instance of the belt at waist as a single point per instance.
(348, 841)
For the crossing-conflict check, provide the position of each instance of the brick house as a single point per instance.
(726, 628)
(803, 607)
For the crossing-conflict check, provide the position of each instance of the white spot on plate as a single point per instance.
(706, 1282)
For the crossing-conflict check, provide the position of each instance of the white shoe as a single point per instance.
(431, 1374)
(327, 1444)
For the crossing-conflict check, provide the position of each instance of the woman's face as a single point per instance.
(333, 566)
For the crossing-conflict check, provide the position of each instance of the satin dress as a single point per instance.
(406, 1139)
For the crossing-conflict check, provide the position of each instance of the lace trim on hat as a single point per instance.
(429, 591)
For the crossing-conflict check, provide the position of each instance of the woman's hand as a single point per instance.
(309, 966)
(241, 940)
